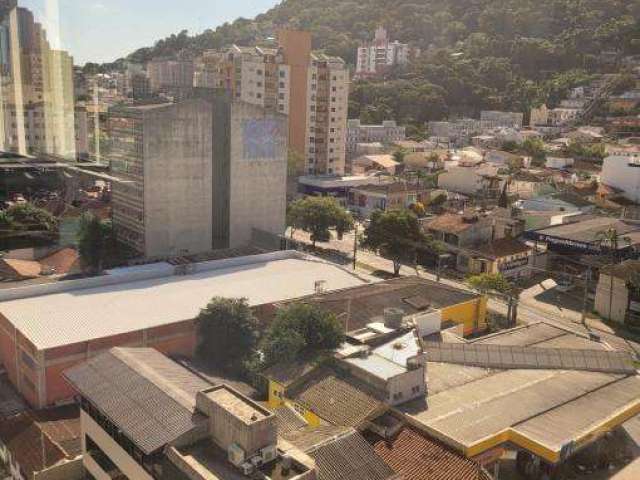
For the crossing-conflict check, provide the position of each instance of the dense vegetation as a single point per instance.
(477, 54)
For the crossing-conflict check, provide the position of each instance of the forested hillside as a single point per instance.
(476, 53)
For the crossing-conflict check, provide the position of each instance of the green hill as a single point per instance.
(476, 53)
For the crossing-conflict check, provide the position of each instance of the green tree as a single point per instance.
(301, 331)
(317, 216)
(227, 333)
(490, 282)
(95, 241)
(399, 155)
(534, 147)
(28, 217)
(395, 235)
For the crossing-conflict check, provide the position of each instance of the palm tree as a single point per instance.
(609, 241)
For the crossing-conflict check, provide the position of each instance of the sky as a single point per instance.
(104, 30)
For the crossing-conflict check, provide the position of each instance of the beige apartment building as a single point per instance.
(312, 89)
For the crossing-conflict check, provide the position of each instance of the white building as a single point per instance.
(380, 54)
(621, 170)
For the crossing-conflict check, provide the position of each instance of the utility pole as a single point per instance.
(355, 244)
(585, 300)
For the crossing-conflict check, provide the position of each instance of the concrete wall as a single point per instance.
(69, 470)
(177, 177)
(612, 298)
(115, 452)
(258, 184)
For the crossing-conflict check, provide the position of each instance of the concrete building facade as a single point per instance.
(197, 175)
(622, 171)
(387, 133)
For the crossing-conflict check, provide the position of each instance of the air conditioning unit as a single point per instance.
(269, 454)
(247, 468)
(236, 454)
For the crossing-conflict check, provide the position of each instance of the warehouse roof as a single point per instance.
(75, 316)
(147, 396)
(359, 306)
(510, 405)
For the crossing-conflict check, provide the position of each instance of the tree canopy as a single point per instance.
(95, 242)
(227, 333)
(317, 216)
(301, 331)
(485, 54)
(395, 235)
(490, 282)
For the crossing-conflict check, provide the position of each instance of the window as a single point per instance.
(281, 84)
(282, 73)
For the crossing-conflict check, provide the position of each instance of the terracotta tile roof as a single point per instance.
(289, 420)
(38, 440)
(449, 223)
(350, 457)
(339, 400)
(62, 261)
(503, 248)
(19, 268)
(417, 457)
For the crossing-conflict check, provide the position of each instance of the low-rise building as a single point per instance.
(338, 187)
(393, 196)
(507, 256)
(143, 416)
(504, 159)
(480, 181)
(621, 171)
(618, 292)
(44, 444)
(497, 119)
(375, 163)
(584, 233)
(47, 328)
(386, 133)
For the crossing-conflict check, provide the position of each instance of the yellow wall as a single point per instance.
(277, 399)
(276, 394)
(472, 314)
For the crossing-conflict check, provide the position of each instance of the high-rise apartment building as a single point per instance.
(357, 132)
(197, 175)
(377, 56)
(171, 76)
(254, 75)
(36, 88)
(312, 89)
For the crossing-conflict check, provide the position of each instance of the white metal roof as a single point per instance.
(75, 316)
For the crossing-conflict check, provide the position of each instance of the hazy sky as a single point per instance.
(104, 30)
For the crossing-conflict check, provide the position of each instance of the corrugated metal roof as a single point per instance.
(145, 394)
(76, 316)
(514, 357)
(480, 409)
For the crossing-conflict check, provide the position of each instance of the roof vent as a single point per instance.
(320, 286)
(393, 318)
